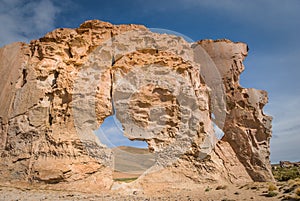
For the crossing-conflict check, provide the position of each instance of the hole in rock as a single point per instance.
(219, 133)
(130, 158)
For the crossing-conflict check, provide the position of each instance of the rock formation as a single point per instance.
(57, 90)
(246, 128)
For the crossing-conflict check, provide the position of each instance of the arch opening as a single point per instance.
(131, 158)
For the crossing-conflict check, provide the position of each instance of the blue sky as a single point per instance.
(271, 28)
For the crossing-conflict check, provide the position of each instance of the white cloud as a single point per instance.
(26, 20)
(278, 74)
(286, 128)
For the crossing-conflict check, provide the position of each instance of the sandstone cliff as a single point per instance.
(57, 90)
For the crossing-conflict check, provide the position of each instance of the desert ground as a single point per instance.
(130, 163)
(251, 191)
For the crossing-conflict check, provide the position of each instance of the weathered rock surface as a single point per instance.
(57, 90)
(247, 129)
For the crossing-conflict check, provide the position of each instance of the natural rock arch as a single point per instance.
(47, 122)
(146, 49)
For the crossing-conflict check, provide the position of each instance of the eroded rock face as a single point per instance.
(57, 90)
(40, 137)
(247, 129)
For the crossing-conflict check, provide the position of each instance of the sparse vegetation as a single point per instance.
(127, 180)
(207, 189)
(290, 198)
(272, 194)
(272, 187)
(294, 182)
(290, 189)
(254, 186)
(226, 199)
(297, 191)
(285, 174)
(221, 187)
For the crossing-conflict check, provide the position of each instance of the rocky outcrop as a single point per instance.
(247, 129)
(58, 90)
(288, 164)
(39, 137)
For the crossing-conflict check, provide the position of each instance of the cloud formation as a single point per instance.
(286, 126)
(26, 20)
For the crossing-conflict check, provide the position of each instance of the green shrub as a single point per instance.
(207, 189)
(285, 174)
(272, 194)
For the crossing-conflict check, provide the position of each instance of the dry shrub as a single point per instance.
(272, 187)
(297, 191)
(221, 187)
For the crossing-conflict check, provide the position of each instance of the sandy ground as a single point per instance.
(252, 191)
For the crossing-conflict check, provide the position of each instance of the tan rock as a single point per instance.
(247, 128)
(39, 133)
(57, 90)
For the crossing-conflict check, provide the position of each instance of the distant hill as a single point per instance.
(131, 161)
